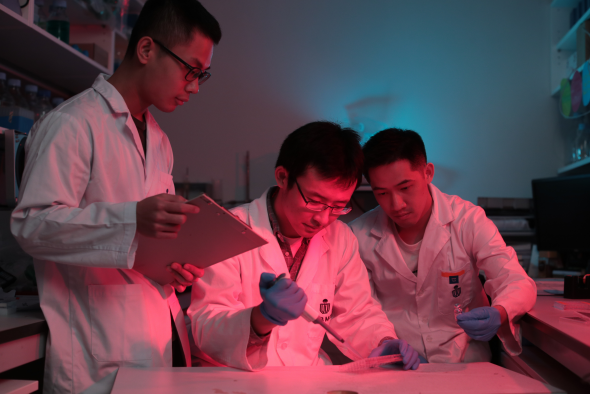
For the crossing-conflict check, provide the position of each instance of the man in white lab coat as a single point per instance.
(424, 250)
(97, 174)
(241, 318)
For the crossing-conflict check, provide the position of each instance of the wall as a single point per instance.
(472, 77)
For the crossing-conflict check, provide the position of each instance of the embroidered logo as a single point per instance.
(325, 307)
(453, 279)
(457, 292)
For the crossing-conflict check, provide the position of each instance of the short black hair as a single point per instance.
(173, 22)
(390, 145)
(333, 151)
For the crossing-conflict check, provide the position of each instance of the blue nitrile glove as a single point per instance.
(398, 346)
(480, 323)
(281, 301)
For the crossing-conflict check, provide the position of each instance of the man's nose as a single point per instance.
(397, 203)
(193, 87)
(322, 218)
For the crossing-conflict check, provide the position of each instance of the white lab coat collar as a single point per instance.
(271, 252)
(436, 236)
(118, 106)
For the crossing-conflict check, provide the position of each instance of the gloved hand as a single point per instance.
(398, 346)
(480, 323)
(282, 301)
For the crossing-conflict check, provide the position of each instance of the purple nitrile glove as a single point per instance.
(480, 323)
(398, 346)
(282, 300)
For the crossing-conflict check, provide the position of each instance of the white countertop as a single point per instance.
(474, 378)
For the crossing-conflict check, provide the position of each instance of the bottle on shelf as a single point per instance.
(58, 23)
(40, 16)
(32, 100)
(14, 89)
(57, 101)
(6, 99)
(579, 150)
(44, 103)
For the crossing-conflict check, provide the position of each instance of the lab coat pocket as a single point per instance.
(320, 297)
(119, 323)
(454, 288)
(165, 185)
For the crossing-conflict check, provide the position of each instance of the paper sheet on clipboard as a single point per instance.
(206, 238)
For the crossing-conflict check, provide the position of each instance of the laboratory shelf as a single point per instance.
(579, 167)
(33, 50)
(568, 42)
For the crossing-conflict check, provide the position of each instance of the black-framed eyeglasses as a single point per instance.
(320, 206)
(193, 73)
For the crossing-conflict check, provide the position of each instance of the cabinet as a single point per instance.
(32, 54)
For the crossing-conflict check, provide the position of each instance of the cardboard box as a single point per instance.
(96, 53)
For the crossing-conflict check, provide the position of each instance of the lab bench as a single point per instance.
(474, 378)
(558, 351)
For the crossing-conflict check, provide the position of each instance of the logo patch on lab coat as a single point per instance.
(457, 292)
(453, 279)
(324, 307)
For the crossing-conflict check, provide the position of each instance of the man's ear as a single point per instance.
(282, 177)
(429, 172)
(145, 49)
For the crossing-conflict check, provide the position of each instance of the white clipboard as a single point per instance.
(206, 238)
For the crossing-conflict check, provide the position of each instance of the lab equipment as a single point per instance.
(562, 217)
(14, 89)
(33, 100)
(572, 305)
(367, 363)
(313, 316)
(576, 286)
(44, 104)
(11, 159)
(40, 15)
(6, 99)
(280, 302)
(457, 310)
(480, 323)
(58, 23)
(206, 238)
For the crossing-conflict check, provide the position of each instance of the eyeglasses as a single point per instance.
(193, 73)
(320, 206)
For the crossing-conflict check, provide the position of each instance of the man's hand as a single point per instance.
(162, 215)
(184, 275)
(398, 346)
(482, 323)
(281, 301)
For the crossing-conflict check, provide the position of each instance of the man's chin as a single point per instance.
(166, 108)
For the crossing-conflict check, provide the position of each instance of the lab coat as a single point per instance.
(85, 171)
(459, 242)
(333, 277)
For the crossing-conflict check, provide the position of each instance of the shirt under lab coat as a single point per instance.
(459, 242)
(333, 277)
(85, 171)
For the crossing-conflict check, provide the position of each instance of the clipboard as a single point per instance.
(206, 238)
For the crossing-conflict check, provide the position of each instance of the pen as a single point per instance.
(313, 316)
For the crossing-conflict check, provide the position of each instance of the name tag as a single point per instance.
(453, 276)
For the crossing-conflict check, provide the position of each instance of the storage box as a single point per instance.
(96, 53)
(16, 118)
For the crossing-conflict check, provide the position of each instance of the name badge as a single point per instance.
(453, 279)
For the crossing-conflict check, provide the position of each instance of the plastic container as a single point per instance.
(58, 23)
(6, 99)
(44, 103)
(40, 16)
(17, 96)
(57, 101)
(31, 96)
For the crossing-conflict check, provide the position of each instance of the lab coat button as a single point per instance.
(284, 346)
(286, 253)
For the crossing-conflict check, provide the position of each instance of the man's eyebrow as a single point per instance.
(403, 182)
(199, 64)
